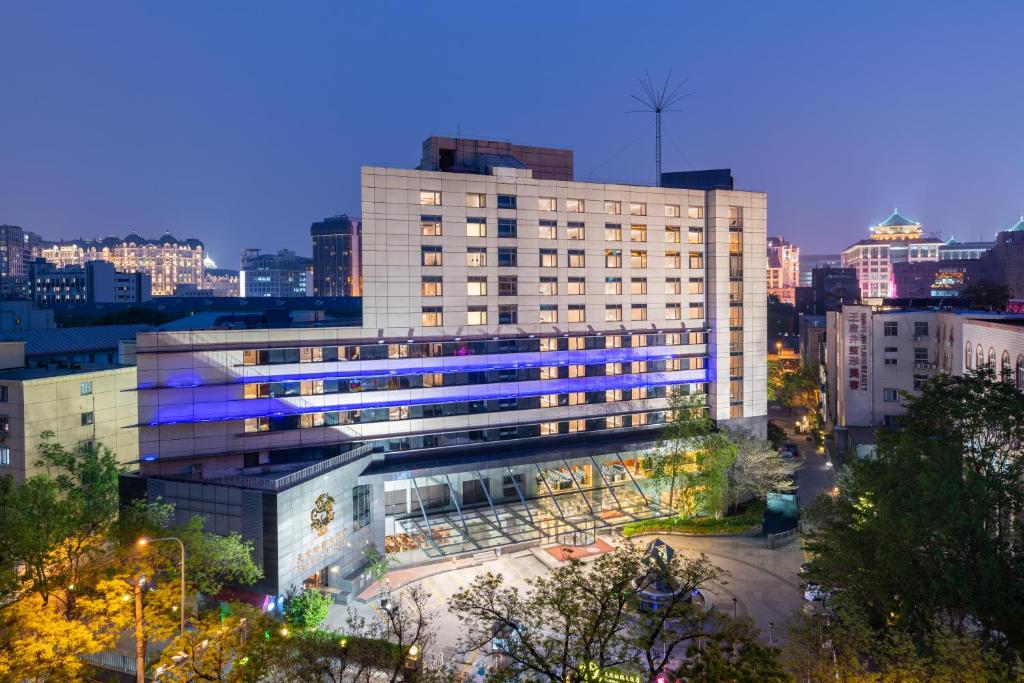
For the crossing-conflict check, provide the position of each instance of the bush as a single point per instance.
(776, 435)
(735, 524)
(307, 608)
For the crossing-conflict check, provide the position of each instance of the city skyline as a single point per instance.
(257, 143)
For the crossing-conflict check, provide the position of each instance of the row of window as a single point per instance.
(508, 285)
(321, 354)
(508, 257)
(433, 226)
(478, 200)
(338, 418)
(508, 314)
(891, 328)
(328, 386)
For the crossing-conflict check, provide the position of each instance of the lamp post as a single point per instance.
(146, 541)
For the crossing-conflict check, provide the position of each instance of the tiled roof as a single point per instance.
(895, 219)
(74, 339)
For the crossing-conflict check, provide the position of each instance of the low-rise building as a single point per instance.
(92, 282)
(283, 274)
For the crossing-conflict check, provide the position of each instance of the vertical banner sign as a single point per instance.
(857, 354)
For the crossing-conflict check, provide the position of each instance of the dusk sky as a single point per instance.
(242, 123)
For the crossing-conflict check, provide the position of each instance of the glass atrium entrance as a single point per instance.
(567, 501)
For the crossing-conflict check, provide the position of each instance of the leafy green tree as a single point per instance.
(377, 563)
(988, 295)
(757, 470)
(579, 616)
(776, 435)
(307, 608)
(923, 537)
(734, 655)
(776, 380)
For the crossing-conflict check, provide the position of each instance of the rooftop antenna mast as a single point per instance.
(658, 99)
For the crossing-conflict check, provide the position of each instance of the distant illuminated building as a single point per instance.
(894, 240)
(783, 269)
(168, 261)
(284, 274)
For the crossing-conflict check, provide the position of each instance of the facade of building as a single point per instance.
(222, 282)
(519, 339)
(944, 278)
(93, 282)
(336, 257)
(283, 274)
(783, 269)
(168, 261)
(808, 262)
(877, 356)
(833, 287)
(1005, 261)
(894, 240)
(18, 248)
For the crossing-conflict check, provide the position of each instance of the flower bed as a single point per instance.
(717, 526)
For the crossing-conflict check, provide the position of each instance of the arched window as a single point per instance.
(1020, 371)
(979, 358)
(950, 336)
(1004, 367)
(991, 359)
(969, 357)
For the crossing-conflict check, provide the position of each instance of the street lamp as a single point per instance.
(146, 541)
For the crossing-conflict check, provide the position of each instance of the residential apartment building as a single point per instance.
(168, 261)
(894, 240)
(783, 269)
(336, 257)
(283, 274)
(93, 282)
(17, 249)
(519, 340)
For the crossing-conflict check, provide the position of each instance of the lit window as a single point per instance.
(673, 285)
(696, 260)
(548, 313)
(548, 258)
(696, 312)
(476, 200)
(638, 258)
(672, 234)
(430, 256)
(84, 388)
(638, 285)
(548, 230)
(735, 216)
(577, 286)
(613, 258)
(577, 371)
(428, 198)
(613, 368)
(695, 212)
(577, 313)
(432, 316)
(577, 343)
(577, 258)
(506, 201)
(477, 315)
(476, 257)
(548, 286)
(547, 204)
(673, 259)
(695, 236)
(614, 421)
(549, 401)
(696, 285)
(638, 233)
(672, 211)
(548, 428)
(613, 208)
(613, 312)
(476, 227)
(575, 231)
(673, 312)
(430, 226)
(638, 312)
(5, 456)
(637, 209)
(577, 425)
(612, 395)
(476, 286)
(574, 205)
(431, 286)
(613, 285)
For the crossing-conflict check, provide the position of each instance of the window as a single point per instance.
(921, 355)
(638, 258)
(574, 205)
(477, 315)
(613, 285)
(696, 212)
(697, 260)
(673, 260)
(613, 312)
(673, 285)
(672, 211)
(638, 312)
(890, 361)
(548, 258)
(638, 233)
(431, 286)
(84, 388)
(577, 286)
(476, 227)
(429, 198)
(506, 201)
(612, 232)
(696, 285)
(968, 357)
(890, 329)
(673, 234)
(432, 316)
(508, 314)
(508, 285)
(638, 285)
(3, 391)
(507, 227)
(548, 313)
(430, 226)
(695, 236)
(5, 456)
(921, 329)
(919, 381)
(360, 506)
(547, 204)
(88, 418)
(696, 312)
(548, 286)
(637, 209)
(673, 312)
(476, 200)
(506, 257)
(613, 208)
(476, 257)
(476, 286)
(577, 313)
(612, 258)
(430, 256)
(735, 216)
(890, 395)
(575, 231)
(548, 230)
(577, 258)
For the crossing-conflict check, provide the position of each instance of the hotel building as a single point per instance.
(783, 269)
(519, 338)
(894, 240)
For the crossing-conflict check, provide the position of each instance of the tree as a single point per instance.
(922, 537)
(799, 389)
(307, 608)
(776, 380)
(378, 563)
(988, 295)
(759, 469)
(578, 616)
(733, 655)
(776, 435)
